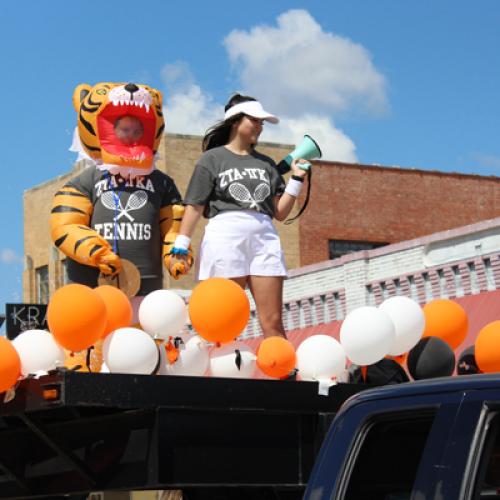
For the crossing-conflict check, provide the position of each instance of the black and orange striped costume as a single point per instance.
(122, 207)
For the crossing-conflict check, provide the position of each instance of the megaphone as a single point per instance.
(307, 149)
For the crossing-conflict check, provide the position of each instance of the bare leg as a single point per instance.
(267, 291)
(242, 281)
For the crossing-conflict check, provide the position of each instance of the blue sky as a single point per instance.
(413, 84)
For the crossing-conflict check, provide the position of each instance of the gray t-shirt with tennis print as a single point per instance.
(223, 180)
(126, 212)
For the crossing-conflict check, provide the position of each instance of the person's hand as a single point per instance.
(297, 170)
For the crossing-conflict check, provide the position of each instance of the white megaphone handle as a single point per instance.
(304, 166)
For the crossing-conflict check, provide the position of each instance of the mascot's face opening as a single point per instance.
(128, 130)
(126, 126)
(121, 124)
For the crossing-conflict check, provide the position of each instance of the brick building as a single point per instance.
(353, 207)
(356, 207)
(462, 264)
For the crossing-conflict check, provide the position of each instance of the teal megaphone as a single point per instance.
(307, 149)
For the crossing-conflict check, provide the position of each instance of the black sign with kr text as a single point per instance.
(22, 317)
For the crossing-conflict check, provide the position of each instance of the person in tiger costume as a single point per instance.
(122, 207)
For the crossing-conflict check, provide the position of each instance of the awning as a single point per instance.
(481, 309)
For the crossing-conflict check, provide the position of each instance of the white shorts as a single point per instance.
(240, 243)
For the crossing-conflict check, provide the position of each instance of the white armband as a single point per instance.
(182, 242)
(293, 187)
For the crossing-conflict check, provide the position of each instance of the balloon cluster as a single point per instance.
(83, 321)
(383, 342)
(399, 332)
(380, 341)
(421, 339)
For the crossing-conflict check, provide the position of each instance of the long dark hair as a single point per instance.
(218, 135)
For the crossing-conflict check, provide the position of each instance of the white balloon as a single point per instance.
(162, 370)
(193, 357)
(130, 350)
(224, 360)
(409, 322)
(320, 357)
(39, 352)
(343, 376)
(162, 314)
(104, 368)
(367, 334)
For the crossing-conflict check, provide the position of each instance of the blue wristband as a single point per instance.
(178, 251)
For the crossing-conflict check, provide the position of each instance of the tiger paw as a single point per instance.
(109, 263)
(179, 269)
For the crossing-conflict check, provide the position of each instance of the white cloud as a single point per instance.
(188, 109)
(297, 70)
(177, 76)
(486, 160)
(296, 67)
(334, 144)
(192, 112)
(9, 256)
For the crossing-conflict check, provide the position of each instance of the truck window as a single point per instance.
(386, 465)
(488, 478)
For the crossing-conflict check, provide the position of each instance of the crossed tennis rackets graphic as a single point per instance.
(135, 201)
(242, 194)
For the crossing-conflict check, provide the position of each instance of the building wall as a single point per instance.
(448, 264)
(386, 204)
(348, 202)
(38, 247)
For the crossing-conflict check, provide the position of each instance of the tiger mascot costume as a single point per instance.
(121, 207)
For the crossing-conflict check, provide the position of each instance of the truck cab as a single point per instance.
(434, 439)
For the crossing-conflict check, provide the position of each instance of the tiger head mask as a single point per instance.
(120, 124)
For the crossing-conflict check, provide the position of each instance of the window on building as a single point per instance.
(42, 284)
(389, 457)
(337, 248)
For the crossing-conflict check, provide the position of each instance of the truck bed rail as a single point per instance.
(69, 432)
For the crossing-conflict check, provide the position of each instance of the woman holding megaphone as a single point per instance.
(240, 191)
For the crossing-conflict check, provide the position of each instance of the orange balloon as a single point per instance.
(76, 316)
(219, 309)
(10, 364)
(118, 308)
(446, 320)
(276, 357)
(487, 348)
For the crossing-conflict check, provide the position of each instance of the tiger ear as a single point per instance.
(79, 94)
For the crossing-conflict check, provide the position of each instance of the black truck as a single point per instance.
(435, 439)
(68, 434)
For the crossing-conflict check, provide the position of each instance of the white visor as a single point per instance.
(251, 108)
